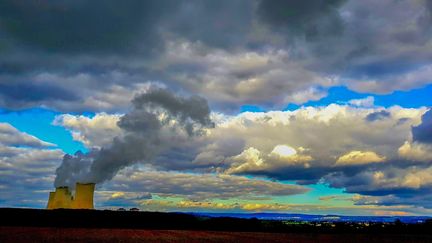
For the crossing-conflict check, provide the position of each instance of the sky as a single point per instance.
(317, 107)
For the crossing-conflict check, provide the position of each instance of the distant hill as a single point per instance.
(319, 218)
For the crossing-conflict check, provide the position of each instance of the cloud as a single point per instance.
(245, 207)
(266, 53)
(198, 186)
(365, 102)
(94, 132)
(281, 156)
(343, 128)
(232, 78)
(10, 136)
(284, 146)
(417, 77)
(416, 151)
(120, 199)
(334, 197)
(358, 158)
(286, 143)
(423, 132)
(308, 20)
(388, 186)
(71, 27)
(379, 115)
(26, 168)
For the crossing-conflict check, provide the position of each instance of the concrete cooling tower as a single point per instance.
(62, 197)
(83, 196)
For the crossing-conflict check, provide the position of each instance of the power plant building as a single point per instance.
(62, 197)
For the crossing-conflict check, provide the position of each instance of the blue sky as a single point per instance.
(341, 95)
(252, 106)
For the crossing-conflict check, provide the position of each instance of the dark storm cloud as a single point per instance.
(70, 38)
(295, 173)
(314, 174)
(422, 199)
(142, 140)
(310, 19)
(378, 115)
(16, 93)
(223, 24)
(423, 132)
(83, 26)
(398, 181)
(232, 42)
(107, 27)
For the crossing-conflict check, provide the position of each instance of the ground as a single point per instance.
(51, 234)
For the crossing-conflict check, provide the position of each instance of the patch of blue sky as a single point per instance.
(38, 122)
(316, 192)
(341, 95)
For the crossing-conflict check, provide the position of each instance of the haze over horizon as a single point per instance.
(315, 107)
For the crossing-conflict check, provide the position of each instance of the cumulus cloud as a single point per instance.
(423, 132)
(359, 157)
(341, 127)
(94, 132)
(281, 156)
(416, 151)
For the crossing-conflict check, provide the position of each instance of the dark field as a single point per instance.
(45, 234)
(34, 225)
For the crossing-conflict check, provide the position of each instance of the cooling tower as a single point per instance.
(51, 200)
(83, 196)
(62, 198)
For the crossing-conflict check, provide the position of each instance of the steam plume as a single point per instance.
(141, 142)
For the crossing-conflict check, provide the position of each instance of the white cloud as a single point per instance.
(416, 151)
(359, 157)
(96, 131)
(10, 136)
(281, 156)
(365, 102)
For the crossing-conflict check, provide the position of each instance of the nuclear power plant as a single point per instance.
(62, 197)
